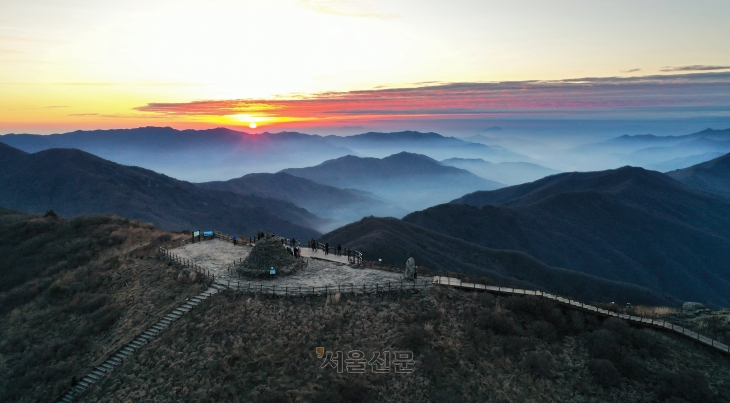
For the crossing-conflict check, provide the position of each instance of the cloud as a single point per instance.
(668, 94)
(630, 71)
(344, 8)
(696, 67)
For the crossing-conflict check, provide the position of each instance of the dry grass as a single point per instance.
(94, 284)
(468, 347)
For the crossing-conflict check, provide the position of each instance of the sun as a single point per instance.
(252, 125)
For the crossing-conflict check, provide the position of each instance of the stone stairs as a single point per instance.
(96, 374)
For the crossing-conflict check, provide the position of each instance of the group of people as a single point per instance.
(315, 246)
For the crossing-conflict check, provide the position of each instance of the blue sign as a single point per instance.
(207, 233)
(272, 271)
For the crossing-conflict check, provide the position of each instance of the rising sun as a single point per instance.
(252, 125)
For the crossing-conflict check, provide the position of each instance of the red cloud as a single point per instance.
(693, 91)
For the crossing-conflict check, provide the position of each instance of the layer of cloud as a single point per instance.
(692, 93)
(696, 67)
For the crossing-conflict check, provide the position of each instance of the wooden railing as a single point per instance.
(182, 262)
(347, 288)
(639, 320)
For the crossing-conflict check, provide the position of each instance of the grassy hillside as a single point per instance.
(72, 291)
(468, 347)
(395, 241)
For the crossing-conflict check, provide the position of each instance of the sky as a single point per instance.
(349, 66)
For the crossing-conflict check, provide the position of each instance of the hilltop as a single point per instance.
(712, 176)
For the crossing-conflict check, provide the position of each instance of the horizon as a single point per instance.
(344, 67)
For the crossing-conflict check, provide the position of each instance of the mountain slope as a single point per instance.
(326, 201)
(434, 145)
(73, 182)
(509, 173)
(712, 176)
(395, 241)
(411, 181)
(627, 225)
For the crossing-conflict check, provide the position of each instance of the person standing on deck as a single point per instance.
(327, 248)
(339, 250)
(235, 238)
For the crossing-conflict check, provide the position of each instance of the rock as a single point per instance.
(269, 252)
(692, 306)
(410, 268)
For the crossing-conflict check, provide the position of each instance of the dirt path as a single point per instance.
(216, 255)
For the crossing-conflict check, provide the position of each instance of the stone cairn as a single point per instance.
(269, 252)
(410, 269)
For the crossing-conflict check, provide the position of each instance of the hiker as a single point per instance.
(299, 252)
(327, 248)
(415, 273)
(235, 238)
(339, 250)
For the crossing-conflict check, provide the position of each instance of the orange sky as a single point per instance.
(81, 64)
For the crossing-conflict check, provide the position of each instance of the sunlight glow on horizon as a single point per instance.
(82, 64)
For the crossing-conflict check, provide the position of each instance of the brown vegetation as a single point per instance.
(71, 292)
(468, 347)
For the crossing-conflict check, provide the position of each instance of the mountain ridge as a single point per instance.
(73, 182)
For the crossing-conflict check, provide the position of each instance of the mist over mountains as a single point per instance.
(222, 154)
(411, 181)
(650, 151)
(619, 228)
(509, 173)
(73, 182)
(340, 205)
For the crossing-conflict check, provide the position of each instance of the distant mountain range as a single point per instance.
(509, 173)
(658, 152)
(430, 144)
(194, 155)
(394, 241)
(711, 176)
(342, 205)
(411, 181)
(73, 182)
(221, 154)
(628, 225)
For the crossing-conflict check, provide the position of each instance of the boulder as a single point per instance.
(692, 306)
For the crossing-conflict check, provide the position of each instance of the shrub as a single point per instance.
(414, 338)
(538, 365)
(604, 372)
(690, 385)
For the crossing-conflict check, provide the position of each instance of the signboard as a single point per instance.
(196, 233)
(207, 233)
(272, 271)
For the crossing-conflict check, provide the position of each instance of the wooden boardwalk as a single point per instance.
(638, 320)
